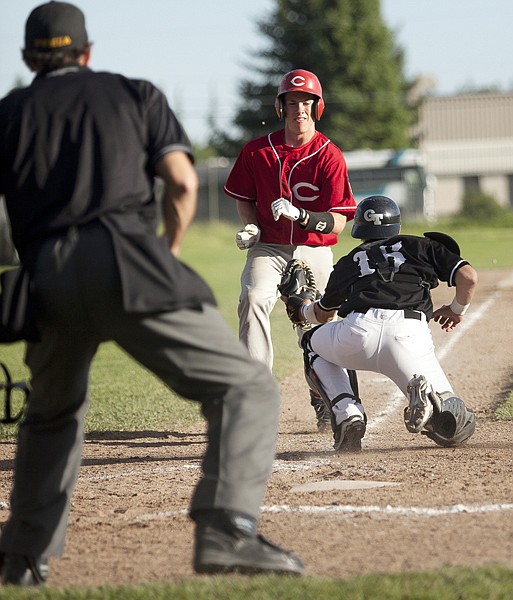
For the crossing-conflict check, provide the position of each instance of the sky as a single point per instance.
(197, 51)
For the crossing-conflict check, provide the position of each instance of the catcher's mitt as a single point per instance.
(296, 287)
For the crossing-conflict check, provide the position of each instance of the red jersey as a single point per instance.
(312, 176)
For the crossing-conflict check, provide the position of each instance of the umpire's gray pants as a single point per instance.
(193, 351)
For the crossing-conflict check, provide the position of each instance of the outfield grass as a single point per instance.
(490, 583)
(124, 397)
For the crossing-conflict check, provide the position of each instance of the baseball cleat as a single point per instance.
(348, 435)
(220, 551)
(420, 406)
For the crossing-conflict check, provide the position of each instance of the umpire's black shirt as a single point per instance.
(78, 146)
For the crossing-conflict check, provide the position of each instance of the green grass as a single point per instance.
(489, 583)
(505, 411)
(484, 248)
(124, 397)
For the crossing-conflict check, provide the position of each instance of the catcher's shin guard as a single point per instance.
(315, 383)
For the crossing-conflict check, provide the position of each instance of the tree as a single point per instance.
(348, 46)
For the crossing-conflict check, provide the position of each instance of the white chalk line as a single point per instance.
(403, 511)
(349, 510)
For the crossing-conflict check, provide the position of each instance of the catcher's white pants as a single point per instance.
(259, 290)
(381, 340)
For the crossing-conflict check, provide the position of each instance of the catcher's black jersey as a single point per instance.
(392, 273)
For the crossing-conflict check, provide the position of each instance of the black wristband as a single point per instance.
(322, 222)
(302, 216)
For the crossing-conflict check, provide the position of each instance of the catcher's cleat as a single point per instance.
(348, 435)
(23, 571)
(222, 547)
(322, 413)
(420, 406)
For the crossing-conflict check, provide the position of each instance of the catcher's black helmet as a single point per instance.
(376, 217)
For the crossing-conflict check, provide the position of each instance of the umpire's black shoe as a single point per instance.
(24, 571)
(225, 548)
(348, 435)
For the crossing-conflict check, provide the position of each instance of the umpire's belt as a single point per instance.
(409, 313)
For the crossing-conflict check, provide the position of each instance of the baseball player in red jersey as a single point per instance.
(294, 199)
(382, 291)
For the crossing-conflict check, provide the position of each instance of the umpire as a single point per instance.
(79, 153)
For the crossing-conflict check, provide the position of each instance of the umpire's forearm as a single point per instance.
(179, 208)
(180, 197)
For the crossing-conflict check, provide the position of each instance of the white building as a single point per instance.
(467, 141)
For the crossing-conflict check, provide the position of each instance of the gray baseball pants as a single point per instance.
(192, 351)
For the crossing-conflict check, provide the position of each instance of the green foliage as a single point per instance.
(348, 46)
(482, 207)
(505, 411)
(204, 152)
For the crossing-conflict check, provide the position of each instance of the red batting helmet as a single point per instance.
(300, 80)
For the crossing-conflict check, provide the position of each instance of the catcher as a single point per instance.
(382, 291)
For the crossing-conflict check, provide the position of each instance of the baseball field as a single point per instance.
(404, 519)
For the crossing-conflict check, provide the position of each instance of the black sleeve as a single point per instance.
(445, 262)
(339, 285)
(165, 132)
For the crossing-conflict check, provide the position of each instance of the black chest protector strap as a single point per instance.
(384, 267)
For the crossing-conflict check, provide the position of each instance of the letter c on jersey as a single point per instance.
(304, 184)
(374, 217)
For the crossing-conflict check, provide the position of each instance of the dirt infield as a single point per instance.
(439, 507)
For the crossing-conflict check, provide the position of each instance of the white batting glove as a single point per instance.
(247, 237)
(283, 208)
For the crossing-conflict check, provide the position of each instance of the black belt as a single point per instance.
(409, 313)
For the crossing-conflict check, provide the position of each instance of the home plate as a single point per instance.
(340, 484)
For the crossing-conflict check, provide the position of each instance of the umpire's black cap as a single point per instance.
(55, 27)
